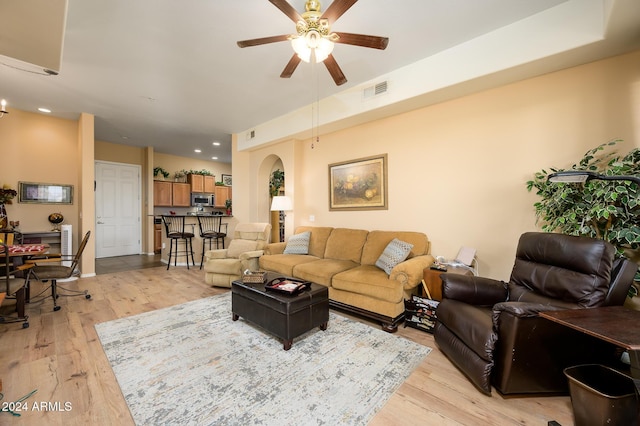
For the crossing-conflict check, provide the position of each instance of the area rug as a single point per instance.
(191, 364)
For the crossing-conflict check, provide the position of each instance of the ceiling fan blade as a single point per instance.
(287, 9)
(337, 9)
(288, 70)
(373, 42)
(264, 40)
(334, 70)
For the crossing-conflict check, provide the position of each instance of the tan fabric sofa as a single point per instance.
(344, 260)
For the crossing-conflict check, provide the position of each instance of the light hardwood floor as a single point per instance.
(60, 356)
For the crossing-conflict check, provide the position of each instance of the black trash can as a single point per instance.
(601, 396)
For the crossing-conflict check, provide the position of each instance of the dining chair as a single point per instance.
(211, 230)
(15, 288)
(175, 231)
(56, 267)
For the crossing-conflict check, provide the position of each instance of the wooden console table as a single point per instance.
(52, 238)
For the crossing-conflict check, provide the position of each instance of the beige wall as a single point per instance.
(457, 170)
(38, 148)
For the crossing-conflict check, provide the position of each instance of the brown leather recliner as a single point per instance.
(491, 329)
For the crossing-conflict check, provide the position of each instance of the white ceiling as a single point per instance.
(168, 73)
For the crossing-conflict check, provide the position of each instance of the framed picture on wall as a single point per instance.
(45, 193)
(226, 179)
(359, 184)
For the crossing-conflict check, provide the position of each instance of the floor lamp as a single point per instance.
(581, 176)
(281, 203)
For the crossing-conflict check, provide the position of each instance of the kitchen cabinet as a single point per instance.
(210, 184)
(202, 183)
(168, 194)
(223, 193)
(181, 193)
(162, 192)
(196, 182)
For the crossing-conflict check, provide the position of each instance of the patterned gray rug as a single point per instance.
(191, 364)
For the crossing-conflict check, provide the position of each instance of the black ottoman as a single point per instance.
(282, 315)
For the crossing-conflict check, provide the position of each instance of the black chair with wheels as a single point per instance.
(56, 267)
(175, 231)
(211, 230)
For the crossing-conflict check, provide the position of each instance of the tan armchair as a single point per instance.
(226, 265)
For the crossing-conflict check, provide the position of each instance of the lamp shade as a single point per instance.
(281, 203)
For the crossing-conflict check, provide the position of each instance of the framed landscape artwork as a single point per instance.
(359, 184)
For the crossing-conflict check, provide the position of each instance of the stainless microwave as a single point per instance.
(205, 200)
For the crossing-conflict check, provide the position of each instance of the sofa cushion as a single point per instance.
(237, 247)
(371, 281)
(345, 244)
(322, 270)
(395, 252)
(298, 243)
(318, 239)
(378, 240)
(284, 263)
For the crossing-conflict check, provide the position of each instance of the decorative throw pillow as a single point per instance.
(298, 243)
(395, 252)
(238, 246)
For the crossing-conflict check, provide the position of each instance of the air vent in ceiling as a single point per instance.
(371, 91)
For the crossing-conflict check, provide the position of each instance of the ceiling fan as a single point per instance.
(314, 39)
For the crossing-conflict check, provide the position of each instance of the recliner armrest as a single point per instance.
(473, 290)
(251, 254)
(216, 254)
(523, 309)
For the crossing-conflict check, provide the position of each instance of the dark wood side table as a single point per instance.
(614, 324)
(433, 282)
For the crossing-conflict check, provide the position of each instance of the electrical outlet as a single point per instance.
(164, 245)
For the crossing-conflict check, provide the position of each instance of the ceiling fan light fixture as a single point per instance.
(324, 49)
(3, 108)
(312, 42)
(303, 51)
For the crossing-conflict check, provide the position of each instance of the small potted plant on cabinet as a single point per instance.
(227, 205)
(160, 171)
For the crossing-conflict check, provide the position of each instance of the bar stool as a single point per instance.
(174, 227)
(210, 230)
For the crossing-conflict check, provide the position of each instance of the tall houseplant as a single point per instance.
(608, 210)
(276, 182)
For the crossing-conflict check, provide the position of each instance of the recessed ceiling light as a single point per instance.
(214, 158)
(47, 110)
(198, 150)
(216, 143)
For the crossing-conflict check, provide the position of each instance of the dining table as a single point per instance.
(13, 258)
(24, 250)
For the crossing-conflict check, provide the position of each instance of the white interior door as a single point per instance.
(118, 209)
